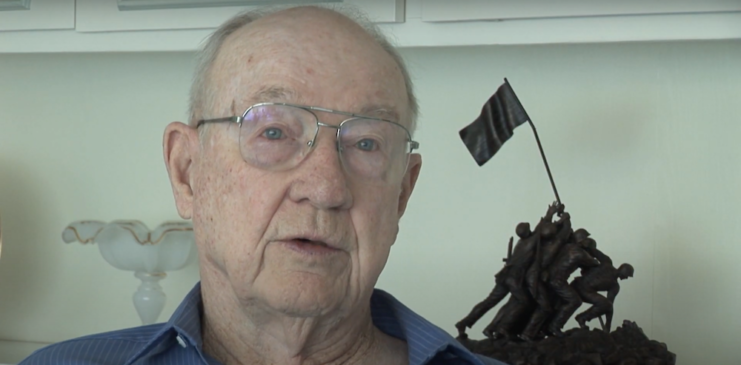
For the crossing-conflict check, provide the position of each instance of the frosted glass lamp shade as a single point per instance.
(82, 231)
(129, 245)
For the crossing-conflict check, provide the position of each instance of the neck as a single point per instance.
(255, 335)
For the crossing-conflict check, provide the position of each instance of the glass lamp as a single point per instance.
(129, 245)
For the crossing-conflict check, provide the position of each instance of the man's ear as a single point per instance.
(180, 146)
(410, 179)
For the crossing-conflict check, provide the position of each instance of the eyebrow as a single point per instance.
(282, 94)
(273, 94)
(380, 111)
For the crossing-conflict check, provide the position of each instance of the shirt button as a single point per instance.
(181, 341)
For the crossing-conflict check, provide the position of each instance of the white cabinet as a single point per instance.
(36, 14)
(489, 22)
(138, 15)
(467, 10)
(182, 25)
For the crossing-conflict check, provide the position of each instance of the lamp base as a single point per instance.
(149, 299)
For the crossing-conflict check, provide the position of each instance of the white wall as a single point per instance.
(642, 140)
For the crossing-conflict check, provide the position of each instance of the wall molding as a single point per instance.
(125, 5)
(6, 5)
(12, 352)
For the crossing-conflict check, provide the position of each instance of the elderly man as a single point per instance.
(295, 168)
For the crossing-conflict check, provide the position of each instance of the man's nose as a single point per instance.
(320, 179)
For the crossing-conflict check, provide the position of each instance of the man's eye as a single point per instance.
(273, 133)
(367, 145)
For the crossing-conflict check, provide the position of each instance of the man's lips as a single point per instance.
(310, 247)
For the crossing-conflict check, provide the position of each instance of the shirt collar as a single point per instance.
(424, 339)
(184, 323)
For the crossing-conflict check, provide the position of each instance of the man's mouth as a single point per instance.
(310, 247)
(310, 242)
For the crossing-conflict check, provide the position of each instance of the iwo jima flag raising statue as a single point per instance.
(537, 277)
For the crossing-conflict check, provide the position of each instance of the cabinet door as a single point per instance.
(464, 10)
(134, 15)
(37, 14)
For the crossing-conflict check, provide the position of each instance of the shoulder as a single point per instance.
(114, 347)
(426, 342)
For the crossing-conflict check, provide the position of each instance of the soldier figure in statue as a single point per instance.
(510, 280)
(546, 252)
(509, 319)
(503, 281)
(571, 257)
(551, 248)
(601, 278)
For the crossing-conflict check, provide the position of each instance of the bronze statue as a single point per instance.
(536, 277)
(527, 329)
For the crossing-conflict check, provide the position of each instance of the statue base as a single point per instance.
(627, 345)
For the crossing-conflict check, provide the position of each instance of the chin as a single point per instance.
(306, 297)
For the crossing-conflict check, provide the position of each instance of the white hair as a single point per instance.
(203, 94)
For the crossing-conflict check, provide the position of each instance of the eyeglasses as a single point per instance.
(279, 136)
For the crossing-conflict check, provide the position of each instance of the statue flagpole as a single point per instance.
(540, 146)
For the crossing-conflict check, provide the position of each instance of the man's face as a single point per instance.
(313, 239)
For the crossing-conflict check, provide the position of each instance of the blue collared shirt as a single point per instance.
(179, 342)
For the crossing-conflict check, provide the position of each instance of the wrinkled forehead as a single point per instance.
(332, 63)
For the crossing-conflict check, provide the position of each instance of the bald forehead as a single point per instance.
(309, 18)
(306, 26)
(310, 40)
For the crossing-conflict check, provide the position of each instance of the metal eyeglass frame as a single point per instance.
(413, 145)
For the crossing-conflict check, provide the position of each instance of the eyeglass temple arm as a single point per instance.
(234, 119)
